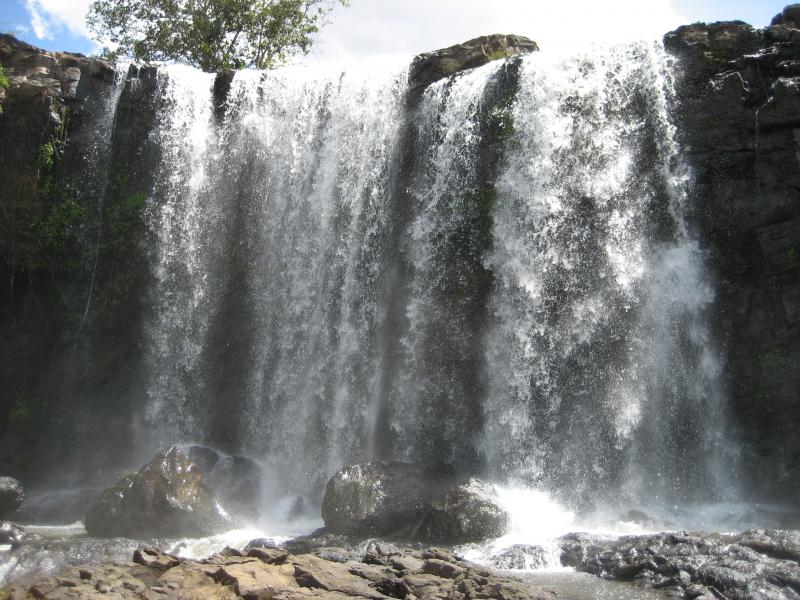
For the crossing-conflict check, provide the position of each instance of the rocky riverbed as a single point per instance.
(755, 565)
(261, 572)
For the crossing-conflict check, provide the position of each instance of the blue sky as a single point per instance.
(411, 26)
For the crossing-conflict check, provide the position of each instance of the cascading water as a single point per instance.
(348, 272)
(604, 378)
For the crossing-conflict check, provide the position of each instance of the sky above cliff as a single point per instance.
(372, 27)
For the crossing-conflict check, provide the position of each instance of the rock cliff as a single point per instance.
(738, 119)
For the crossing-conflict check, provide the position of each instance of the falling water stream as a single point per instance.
(310, 296)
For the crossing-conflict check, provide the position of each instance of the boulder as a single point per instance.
(236, 479)
(411, 502)
(167, 498)
(11, 497)
(520, 557)
(433, 66)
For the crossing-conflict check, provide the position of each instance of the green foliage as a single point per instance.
(124, 215)
(5, 83)
(209, 34)
(772, 361)
(62, 223)
(25, 416)
(19, 415)
(47, 155)
(497, 55)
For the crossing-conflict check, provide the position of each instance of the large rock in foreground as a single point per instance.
(433, 66)
(166, 498)
(410, 502)
(11, 497)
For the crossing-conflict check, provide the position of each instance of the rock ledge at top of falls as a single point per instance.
(36, 73)
(264, 573)
(755, 565)
(411, 502)
(167, 497)
(432, 66)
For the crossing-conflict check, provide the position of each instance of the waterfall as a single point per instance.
(499, 275)
(605, 380)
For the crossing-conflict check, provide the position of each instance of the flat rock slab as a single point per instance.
(756, 565)
(280, 576)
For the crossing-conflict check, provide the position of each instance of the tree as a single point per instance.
(209, 34)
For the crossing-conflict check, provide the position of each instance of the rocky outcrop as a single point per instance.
(757, 564)
(265, 574)
(167, 497)
(433, 66)
(789, 17)
(412, 502)
(738, 118)
(11, 497)
(235, 479)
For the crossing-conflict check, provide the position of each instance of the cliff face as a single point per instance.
(738, 119)
(68, 221)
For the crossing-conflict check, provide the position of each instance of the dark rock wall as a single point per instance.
(72, 262)
(738, 119)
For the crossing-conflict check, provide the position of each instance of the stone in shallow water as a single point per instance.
(11, 497)
(413, 502)
(167, 497)
(519, 557)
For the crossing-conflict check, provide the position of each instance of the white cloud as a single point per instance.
(414, 26)
(51, 16)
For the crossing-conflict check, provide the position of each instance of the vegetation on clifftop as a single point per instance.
(209, 34)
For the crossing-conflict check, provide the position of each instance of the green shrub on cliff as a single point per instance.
(61, 223)
(209, 34)
(5, 83)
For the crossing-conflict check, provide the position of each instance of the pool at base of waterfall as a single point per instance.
(580, 586)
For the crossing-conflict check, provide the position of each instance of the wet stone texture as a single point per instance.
(265, 573)
(756, 565)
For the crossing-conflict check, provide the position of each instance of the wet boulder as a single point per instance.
(236, 479)
(520, 557)
(411, 502)
(13, 535)
(167, 498)
(11, 497)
